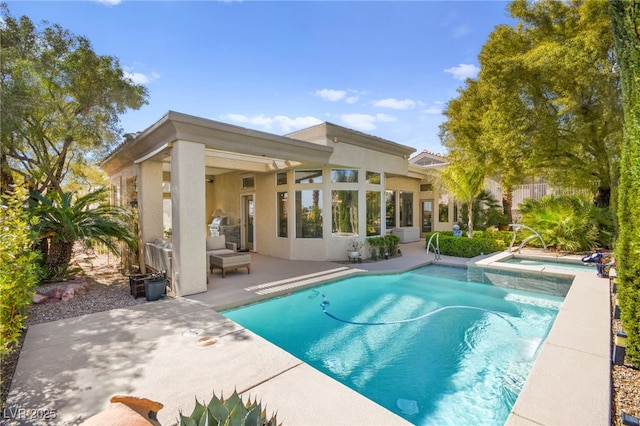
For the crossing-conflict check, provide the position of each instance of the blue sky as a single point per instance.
(383, 68)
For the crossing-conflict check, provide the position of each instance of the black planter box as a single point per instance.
(155, 288)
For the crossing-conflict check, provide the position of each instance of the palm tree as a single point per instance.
(88, 218)
(465, 184)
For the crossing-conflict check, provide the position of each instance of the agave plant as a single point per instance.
(65, 219)
(232, 412)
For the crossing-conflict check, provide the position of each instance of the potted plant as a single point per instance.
(391, 242)
(375, 243)
(353, 249)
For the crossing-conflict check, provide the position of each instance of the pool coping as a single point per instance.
(570, 382)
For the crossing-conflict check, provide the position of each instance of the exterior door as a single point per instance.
(248, 215)
(426, 216)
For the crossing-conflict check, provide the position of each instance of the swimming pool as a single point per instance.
(552, 263)
(444, 351)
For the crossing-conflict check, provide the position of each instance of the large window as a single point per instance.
(443, 208)
(281, 178)
(283, 218)
(115, 194)
(132, 191)
(344, 175)
(308, 176)
(344, 212)
(390, 202)
(427, 215)
(406, 209)
(373, 177)
(373, 213)
(309, 213)
(248, 182)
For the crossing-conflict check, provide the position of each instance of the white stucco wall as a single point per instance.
(189, 266)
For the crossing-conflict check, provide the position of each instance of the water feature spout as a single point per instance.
(516, 227)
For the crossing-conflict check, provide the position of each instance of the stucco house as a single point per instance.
(303, 196)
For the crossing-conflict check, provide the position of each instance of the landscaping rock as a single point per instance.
(67, 294)
(54, 293)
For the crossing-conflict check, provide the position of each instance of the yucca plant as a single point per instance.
(228, 412)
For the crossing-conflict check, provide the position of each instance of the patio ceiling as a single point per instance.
(227, 147)
(220, 162)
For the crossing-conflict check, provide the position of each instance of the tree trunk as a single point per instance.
(59, 255)
(507, 204)
(602, 197)
(6, 178)
(470, 223)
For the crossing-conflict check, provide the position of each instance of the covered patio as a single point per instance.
(184, 154)
(304, 196)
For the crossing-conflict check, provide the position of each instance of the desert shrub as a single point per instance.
(18, 267)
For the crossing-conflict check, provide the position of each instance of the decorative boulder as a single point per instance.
(54, 293)
(67, 294)
(39, 298)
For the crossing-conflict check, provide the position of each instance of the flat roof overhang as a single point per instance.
(156, 141)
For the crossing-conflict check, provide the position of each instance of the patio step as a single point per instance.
(290, 283)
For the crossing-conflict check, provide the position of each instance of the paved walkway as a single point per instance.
(153, 350)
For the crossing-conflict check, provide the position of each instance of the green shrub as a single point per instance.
(391, 244)
(504, 237)
(572, 223)
(468, 247)
(626, 20)
(18, 267)
(376, 244)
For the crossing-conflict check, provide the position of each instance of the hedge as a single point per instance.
(18, 268)
(470, 247)
(625, 19)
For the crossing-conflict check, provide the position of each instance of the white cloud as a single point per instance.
(138, 77)
(461, 30)
(331, 94)
(288, 124)
(394, 103)
(110, 2)
(433, 110)
(256, 120)
(385, 118)
(365, 121)
(281, 122)
(463, 71)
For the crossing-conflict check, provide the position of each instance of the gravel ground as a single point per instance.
(625, 382)
(108, 289)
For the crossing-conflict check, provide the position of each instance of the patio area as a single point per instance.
(156, 351)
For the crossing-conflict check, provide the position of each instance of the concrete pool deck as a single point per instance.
(74, 366)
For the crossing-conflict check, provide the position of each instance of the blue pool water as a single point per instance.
(449, 351)
(575, 266)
